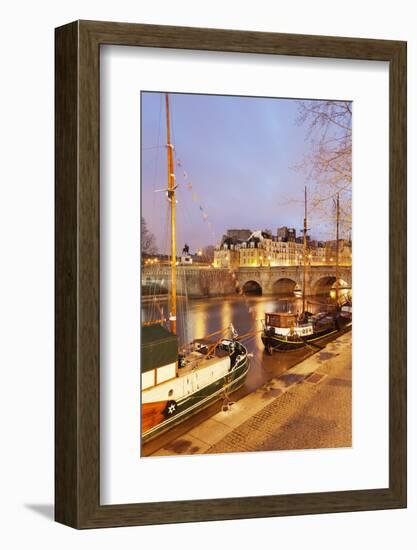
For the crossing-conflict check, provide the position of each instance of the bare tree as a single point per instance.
(148, 241)
(329, 164)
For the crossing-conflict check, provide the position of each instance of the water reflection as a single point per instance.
(198, 318)
(201, 317)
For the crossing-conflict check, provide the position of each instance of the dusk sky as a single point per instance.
(239, 156)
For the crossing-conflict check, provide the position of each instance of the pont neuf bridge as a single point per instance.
(205, 281)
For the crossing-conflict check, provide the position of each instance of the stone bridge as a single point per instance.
(199, 281)
(284, 280)
(194, 281)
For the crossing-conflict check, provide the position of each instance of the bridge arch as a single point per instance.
(284, 286)
(252, 287)
(326, 284)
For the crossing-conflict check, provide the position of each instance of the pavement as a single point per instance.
(307, 407)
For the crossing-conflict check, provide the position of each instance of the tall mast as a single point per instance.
(171, 197)
(304, 249)
(337, 248)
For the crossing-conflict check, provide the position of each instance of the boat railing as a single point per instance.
(305, 323)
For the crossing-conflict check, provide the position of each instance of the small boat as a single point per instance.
(177, 383)
(290, 331)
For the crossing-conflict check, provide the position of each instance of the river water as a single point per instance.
(201, 317)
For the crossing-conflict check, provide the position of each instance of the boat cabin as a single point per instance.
(281, 320)
(287, 324)
(159, 355)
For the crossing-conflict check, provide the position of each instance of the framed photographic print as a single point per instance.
(222, 199)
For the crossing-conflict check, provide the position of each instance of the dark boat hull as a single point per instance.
(273, 342)
(279, 343)
(193, 403)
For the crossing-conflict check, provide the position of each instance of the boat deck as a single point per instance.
(196, 360)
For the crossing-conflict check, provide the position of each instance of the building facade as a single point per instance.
(226, 255)
(262, 249)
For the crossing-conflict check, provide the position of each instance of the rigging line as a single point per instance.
(169, 252)
(184, 308)
(152, 307)
(187, 311)
(247, 340)
(157, 283)
(174, 141)
(181, 306)
(216, 332)
(152, 312)
(159, 135)
(153, 147)
(157, 164)
(189, 208)
(148, 307)
(185, 222)
(204, 213)
(186, 215)
(155, 310)
(249, 334)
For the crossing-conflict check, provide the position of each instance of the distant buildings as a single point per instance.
(286, 234)
(227, 254)
(239, 234)
(245, 248)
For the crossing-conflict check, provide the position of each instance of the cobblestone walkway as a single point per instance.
(313, 414)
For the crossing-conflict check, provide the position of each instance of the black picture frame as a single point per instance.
(77, 359)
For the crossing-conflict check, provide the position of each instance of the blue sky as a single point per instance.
(239, 156)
